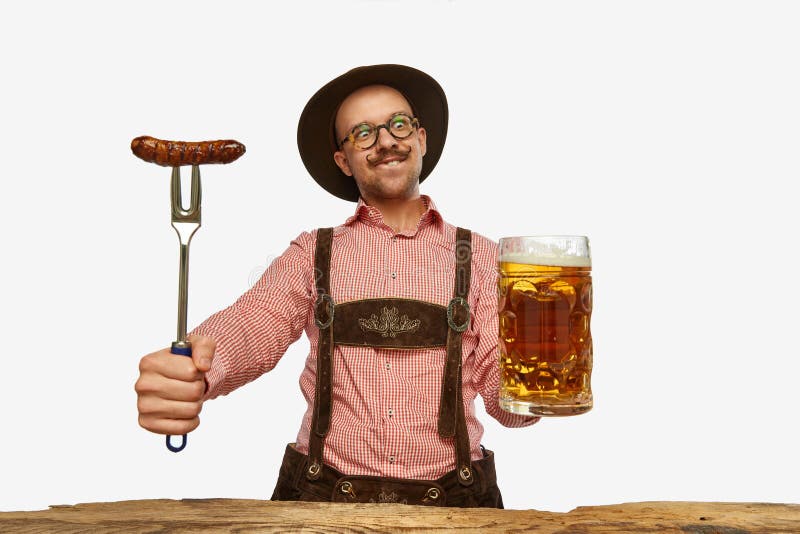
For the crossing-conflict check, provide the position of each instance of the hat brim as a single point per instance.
(315, 129)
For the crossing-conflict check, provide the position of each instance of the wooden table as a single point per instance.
(238, 515)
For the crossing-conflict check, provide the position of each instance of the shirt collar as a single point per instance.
(372, 215)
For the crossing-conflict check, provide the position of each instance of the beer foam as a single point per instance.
(550, 261)
(552, 251)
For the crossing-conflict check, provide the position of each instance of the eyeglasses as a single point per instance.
(365, 135)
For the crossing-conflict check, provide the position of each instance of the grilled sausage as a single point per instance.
(177, 153)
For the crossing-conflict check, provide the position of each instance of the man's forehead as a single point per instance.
(373, 98)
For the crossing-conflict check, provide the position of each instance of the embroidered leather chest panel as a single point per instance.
(390, 323)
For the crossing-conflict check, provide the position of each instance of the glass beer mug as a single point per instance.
(545, 307)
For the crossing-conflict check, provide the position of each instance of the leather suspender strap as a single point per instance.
(452, 421)
(323, 315)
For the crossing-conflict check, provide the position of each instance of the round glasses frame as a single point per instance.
(377, 129)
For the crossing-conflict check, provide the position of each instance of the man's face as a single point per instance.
(390, 169)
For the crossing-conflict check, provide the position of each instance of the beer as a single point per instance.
(545, 308)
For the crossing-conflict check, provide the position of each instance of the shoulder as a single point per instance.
(309, 237)
(306, 242)
(484, 257)
(484, 247)
(484, 251)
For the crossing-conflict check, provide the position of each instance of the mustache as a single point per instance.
(387, 154)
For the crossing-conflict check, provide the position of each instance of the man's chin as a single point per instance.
(408, 192)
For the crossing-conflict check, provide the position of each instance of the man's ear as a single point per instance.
(423, 137)
(341, 161)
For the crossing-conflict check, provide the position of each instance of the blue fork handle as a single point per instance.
(180, 351)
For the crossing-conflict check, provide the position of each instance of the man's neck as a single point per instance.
(401, 215)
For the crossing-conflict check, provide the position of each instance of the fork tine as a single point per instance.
(175, 192)
(178, 213)
(195, 199)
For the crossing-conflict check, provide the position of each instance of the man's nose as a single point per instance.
(385, 139)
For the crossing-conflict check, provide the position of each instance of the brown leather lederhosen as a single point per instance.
(398, 324)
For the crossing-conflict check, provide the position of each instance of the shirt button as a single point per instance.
(388, 366)
(391, 459)
(391, 412)
(394, 274)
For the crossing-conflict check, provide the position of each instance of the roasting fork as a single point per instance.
(186, 222)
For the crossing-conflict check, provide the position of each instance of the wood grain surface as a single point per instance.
(238, 515)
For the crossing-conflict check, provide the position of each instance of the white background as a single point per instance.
(668, 132)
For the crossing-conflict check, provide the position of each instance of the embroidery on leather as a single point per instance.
(389, 498)
(389, 324)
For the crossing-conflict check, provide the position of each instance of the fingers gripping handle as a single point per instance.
(180, 349)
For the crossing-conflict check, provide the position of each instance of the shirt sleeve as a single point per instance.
(487, 367)
(253, 334)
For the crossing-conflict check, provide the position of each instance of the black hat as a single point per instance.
(315, 131)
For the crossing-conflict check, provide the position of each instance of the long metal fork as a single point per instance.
(186, 222)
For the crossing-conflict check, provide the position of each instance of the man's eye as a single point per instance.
(399, 123)
(363, 132)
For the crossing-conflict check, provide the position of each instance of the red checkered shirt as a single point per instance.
(385, 401)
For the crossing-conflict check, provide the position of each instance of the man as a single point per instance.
(399, 307)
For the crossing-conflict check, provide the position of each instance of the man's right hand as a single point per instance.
(171, 388)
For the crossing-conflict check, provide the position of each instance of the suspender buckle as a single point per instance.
(323, 298)
(461, 314)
